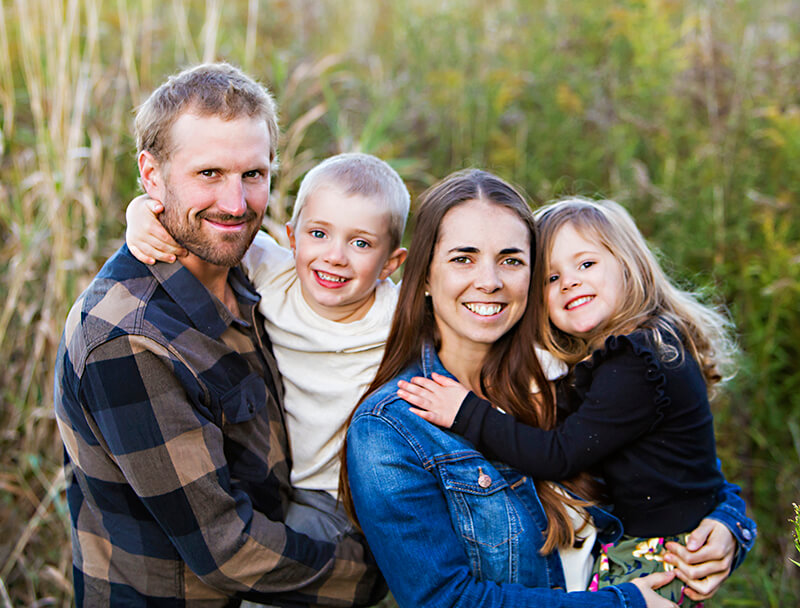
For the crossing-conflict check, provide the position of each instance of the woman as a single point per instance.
(449, 528)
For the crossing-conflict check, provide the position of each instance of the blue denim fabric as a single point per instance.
(448, 527)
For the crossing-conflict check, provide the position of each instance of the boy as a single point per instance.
(328, 305)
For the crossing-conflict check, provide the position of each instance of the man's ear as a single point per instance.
(291, 234)
(396, 259)
(151, 175)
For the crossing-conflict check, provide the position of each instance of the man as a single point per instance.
(168, 398)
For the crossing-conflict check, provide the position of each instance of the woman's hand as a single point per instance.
(646, 584)
(146, 237)
(437, 400)
(705, 562)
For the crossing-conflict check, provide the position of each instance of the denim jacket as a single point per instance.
(450, 528)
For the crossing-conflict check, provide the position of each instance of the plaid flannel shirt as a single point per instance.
(177, 454)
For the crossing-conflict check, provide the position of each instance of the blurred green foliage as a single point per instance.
(685, 111)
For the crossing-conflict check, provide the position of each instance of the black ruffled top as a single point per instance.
(642, 424)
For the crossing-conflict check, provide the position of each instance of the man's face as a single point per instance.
(215, 186)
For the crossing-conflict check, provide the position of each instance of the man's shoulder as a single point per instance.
(123, 299)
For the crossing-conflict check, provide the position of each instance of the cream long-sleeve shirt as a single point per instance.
(326, 366)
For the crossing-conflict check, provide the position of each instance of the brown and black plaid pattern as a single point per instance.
(177, 454)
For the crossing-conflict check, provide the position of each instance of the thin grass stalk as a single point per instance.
(6, 81)
(251, 36)
(185, 38)
(56, 486)
(210, 30)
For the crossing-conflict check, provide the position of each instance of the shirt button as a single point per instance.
(746, 534)
(250, 407)
(484, 480)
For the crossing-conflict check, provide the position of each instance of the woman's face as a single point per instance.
(479, 275)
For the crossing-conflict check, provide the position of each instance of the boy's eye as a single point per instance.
(587, 264)
(317, 234)
(361, 243)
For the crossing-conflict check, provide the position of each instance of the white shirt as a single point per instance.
(326, 366)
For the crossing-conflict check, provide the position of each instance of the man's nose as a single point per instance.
(232, 200)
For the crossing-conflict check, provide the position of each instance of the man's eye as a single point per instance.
(251, 174)
(208, 172)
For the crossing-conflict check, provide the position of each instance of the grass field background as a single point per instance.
(687, 112)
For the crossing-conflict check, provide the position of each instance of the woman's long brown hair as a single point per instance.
(511, 363)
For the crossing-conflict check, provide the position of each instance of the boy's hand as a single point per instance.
(437, 400)
(646, 584)
(705, 562)
(146, 237)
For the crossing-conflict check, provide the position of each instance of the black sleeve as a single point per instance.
(619, 406)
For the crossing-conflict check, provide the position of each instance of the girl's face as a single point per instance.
(584, 283)
(479, 276)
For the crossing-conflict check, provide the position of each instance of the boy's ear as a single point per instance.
(151, 175)
(290, 233)
(395, 260)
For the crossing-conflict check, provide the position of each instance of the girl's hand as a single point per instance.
(705, 562)
(437, 400)
(646, 584)
(146, 237)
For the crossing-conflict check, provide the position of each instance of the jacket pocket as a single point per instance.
(483, 512)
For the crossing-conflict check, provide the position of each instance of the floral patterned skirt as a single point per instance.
(632, 557)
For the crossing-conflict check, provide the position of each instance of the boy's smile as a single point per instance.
(341, 247)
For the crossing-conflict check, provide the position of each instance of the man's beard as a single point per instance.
(218, 248)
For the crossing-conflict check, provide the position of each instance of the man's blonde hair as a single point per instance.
(209, 89)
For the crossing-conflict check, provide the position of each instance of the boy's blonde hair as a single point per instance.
(365, 175)
(651, 301)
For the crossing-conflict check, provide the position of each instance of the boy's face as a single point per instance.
(341, 249)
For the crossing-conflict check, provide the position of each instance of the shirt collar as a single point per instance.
(207, 313)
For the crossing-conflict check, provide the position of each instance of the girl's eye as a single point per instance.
(587, 264)
(552, 278)
(317, 234)
(361, 243)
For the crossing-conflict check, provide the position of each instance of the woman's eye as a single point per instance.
(513, 262)
(461, 259)
(317, 234)
(361, 243)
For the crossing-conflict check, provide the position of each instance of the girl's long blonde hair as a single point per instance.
(651, 302)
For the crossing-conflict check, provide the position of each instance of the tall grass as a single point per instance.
(687, 112)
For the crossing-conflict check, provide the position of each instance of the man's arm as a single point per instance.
(141, 399)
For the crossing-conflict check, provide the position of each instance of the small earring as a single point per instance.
(427, 294)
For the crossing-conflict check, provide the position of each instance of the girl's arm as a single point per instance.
(146, 238)
(598, 428)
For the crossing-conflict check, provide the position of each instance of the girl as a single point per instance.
(643, 355)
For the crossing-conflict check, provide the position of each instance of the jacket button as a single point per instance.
(484, 480)
(746, 534)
